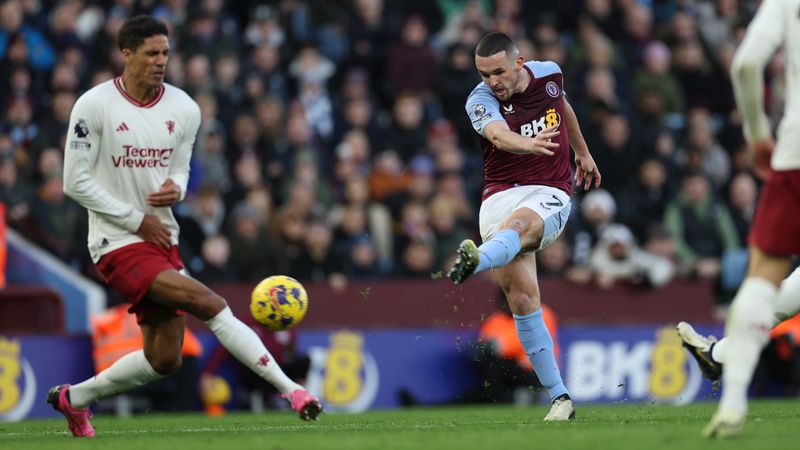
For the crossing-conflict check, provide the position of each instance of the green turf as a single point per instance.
(771, 425)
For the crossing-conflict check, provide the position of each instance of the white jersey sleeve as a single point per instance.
(764, 36)
(179, 169)
(776, 25)
(80, 155)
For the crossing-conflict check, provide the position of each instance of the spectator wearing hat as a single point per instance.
(597, 210)
(617, 257)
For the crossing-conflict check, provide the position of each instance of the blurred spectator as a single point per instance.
(388, 175)
(209, 32)
(418, 260)
(58, 223)
(655, 76)
(406, 134)
(617, 257)
(18, 123)
(448, 232)
(701, 227)
(741, 202)
(597, 211)
(457, 78)
(215, 266)
(319, 260)
(311, 72)
(554, 261)
(693, 72)
(379, 220)
(29, 41)
(616, 153)
(412, 52)
(646, 198)
(702, 151)
(369, 34)
(254, 256)
(15, 193)
(362, 260)
(55, 122)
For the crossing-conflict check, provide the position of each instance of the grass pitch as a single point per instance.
(771, 425)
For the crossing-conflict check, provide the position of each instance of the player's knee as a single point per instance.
(167, 364)
(522, 302)
(208, 304)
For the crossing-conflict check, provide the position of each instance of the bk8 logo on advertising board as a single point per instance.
(17, 382)
(631, 364)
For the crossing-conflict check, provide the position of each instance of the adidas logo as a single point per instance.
(122, 127)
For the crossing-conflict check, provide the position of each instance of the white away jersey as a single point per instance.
(118, 151)
(775, 25)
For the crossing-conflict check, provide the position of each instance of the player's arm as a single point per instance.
(586, 170)
(484, 113)
(504, 139)
(173, 189)
(764, 35)
(82, 148)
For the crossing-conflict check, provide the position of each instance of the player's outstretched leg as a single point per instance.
(467, 260)
(306, 405)
(244, 344)
(700, 347)
(77, 418)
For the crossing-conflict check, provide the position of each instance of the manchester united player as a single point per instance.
(526, 127)
(764, 297)
(127, 162)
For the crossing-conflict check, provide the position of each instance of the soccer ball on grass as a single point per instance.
(279, 302)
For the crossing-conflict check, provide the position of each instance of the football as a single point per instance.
(279, 302)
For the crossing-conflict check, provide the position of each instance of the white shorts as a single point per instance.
(551, 204)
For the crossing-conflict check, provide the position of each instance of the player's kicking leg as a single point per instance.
(496, 252)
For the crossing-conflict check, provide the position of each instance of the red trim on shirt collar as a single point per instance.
(153, 101)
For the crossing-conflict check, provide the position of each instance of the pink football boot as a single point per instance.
(305, 404)
(77, 418)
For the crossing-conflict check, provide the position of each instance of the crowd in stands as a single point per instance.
(334, 144)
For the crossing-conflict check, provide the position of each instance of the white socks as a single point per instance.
(747, 330)
(245, 345)
(787, 304)
(126, 373)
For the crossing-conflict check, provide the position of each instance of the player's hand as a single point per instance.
(762, 155)
(154, 232)
(542, 142)
(586, 171)
(167, 195)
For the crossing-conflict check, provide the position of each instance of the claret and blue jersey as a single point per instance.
(540, 106)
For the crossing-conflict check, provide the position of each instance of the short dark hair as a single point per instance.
(495, 43)
(136, 29)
